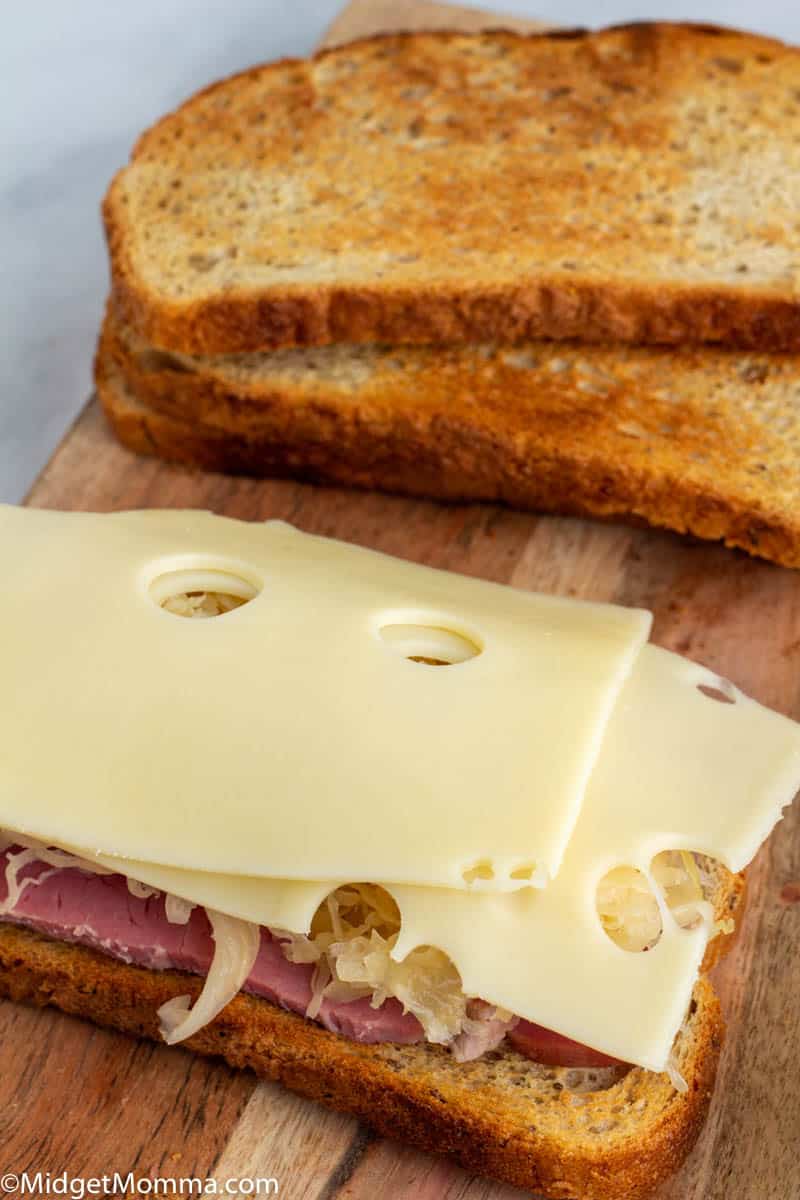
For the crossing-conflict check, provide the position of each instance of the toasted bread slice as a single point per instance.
(502, 1116)
(728, 895)
(700, 441)
(637, 184)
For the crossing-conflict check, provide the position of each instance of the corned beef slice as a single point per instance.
(99, 911)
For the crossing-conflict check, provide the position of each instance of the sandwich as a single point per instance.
(345, 269)
(367, 828)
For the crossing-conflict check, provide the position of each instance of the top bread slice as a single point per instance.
(637, 184)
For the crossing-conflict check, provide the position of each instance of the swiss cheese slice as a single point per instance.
(678, 769)
(290, 738)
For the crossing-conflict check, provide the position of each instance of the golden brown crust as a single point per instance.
(731, 901)
(553, 307)
(634, 296)
(566, 453)
(417, 1094)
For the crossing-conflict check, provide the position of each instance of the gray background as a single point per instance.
(80, 80)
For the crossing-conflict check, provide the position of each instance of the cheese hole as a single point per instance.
(628, 909)
(429, 644)
(202, 604)
(723, 694)
(349, 944)
(481, 870)
(354, 909)
(524, 872)
(201, 592)
(678, 875)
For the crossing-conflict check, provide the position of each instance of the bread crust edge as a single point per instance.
(367, 1081)
(452, 457)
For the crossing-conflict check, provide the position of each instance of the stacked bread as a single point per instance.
(560, 271)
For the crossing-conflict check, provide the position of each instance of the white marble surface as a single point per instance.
(79, 80)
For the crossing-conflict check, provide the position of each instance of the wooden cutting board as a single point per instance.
(77, 1099)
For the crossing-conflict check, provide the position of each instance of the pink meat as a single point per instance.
(544, 1046)
(483, 1031)
(99, 911)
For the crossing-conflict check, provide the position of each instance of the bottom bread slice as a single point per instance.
(700, 441)
(500, 1116)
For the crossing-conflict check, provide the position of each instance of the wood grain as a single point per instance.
(79, 1099)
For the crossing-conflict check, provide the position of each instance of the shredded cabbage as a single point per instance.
(675, 1077)
(236, 945)
(201, 604)
(176, 910)
(14, 885)
(350, 942)
(677, 874)
(484, 1028)
(629, 910)
(33, 851)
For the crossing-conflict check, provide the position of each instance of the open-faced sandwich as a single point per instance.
(447, 855)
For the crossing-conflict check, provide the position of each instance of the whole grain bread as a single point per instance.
(501, 1116)
(636, 184)
(697, 440)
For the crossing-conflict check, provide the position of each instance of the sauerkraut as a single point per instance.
(201, 604)
(350, 942)
(235, 948)
(235, 942)
(351, 938)
(27, 850)
(677, 874)
(628, 907)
